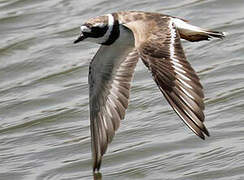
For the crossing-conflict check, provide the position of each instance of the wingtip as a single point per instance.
(206, 132)
(96, 167)
(203, 133)
(96, 170)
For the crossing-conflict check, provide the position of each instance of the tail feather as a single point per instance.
(216, 34)
(194, 33)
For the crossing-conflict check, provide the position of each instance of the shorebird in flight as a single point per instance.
(126, 37)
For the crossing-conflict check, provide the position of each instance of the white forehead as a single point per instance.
(85, 29)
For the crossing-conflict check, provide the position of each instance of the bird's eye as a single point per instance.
(94, 30)
(99, 31)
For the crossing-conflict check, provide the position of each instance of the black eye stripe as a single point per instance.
(96, 32)
(99, 30)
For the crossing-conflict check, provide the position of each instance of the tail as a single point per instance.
(194, 33)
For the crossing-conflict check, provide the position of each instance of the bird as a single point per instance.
(155, 38)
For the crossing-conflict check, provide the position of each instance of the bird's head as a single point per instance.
(97, 30)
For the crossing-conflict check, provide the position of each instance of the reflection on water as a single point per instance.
(97, 176)
(44, 118)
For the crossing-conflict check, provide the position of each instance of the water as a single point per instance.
(44, 122)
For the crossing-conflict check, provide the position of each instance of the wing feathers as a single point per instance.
(109, 97)
(183, 116)
(174, 76)
(189, 102)
(114, 115)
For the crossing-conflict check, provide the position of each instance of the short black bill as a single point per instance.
(80, 38)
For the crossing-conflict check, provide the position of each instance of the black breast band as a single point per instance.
(114, 34)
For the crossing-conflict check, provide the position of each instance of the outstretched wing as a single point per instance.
(110, 75)
(162, 53)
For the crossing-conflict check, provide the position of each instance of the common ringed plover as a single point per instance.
(126, 37)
